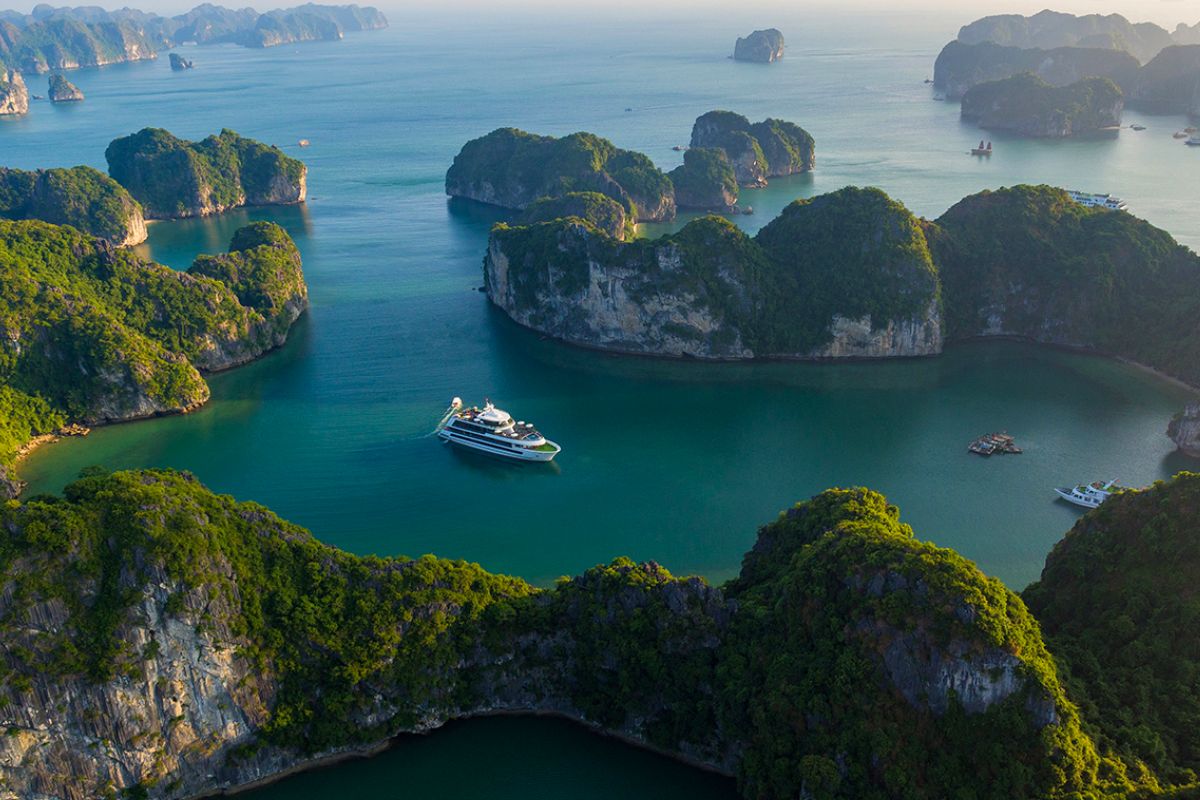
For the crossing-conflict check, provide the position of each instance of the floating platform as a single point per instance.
(993, 444)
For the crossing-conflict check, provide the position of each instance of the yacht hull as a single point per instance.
(498, 448)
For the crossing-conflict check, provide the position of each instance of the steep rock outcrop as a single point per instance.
(215, 644)
(512, 169)
(1110, 600)
(1051, 29)
(1027, 261)
(62, 90)
(594, 208)
(173, 178)
(761, 47)
(1170, 84)
(79, 196)
(706, 180)
(14, 95)
(1029, 106)
(797, 290)
(961, 66)
(97, 335)
(765, 149)
(1184, 430)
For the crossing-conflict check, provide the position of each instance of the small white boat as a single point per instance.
(1194, 140)
(493, 431)
(1089, 495)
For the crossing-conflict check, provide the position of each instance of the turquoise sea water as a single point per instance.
(672, 461)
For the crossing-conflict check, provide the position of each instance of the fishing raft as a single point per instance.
(992, 444)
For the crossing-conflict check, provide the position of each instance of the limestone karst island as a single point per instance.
(490, 403)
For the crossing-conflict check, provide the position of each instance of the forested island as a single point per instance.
(82, 197)
(173, 178)
(1028, 105)
(514, 169)
(855, 274)
(207, 644)
(1157, 71)
(97, 335)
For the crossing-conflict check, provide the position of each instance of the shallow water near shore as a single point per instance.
(668, 460)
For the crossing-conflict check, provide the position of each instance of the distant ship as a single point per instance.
(492, 430)
(1098, 200)
(982, 150)
(1089, 495)
(1194, 140)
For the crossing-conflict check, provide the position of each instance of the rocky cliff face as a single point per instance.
(1184, 430)
(14, 96)
(62, 90)
(859, 338)
(1170, 84)
(762, 47)
(206, 673)
(770, 148)
(1029, 106)
(706, 180)
(601, 295)
(710, 291)
(961, 66)
(1052, 29)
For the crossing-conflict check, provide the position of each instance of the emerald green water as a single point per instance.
(508, 757)
(672, 461)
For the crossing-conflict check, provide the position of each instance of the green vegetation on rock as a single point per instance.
(712, 291)
(960, 66)
(98, 335)
(1117, 601)
(705, 180)
(79, 196)
(1028, 261)
(845, 671)
(758, 151)
(513, 169)
(175, 178)
(594, 208)
(847, 660)
(1028, 105)
(63, 91)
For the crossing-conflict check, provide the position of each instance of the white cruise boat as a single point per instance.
(492, 430)
(1089, 495)
(1098, 200)
(1193, 140)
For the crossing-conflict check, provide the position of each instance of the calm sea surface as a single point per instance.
(672, 461)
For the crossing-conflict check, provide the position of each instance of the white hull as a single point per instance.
(498, 447)
(1071, 497)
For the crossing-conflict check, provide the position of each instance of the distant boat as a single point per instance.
(1138, 127)
(1180, 134)
(1194, 140)
(304, 142)
(982, 150)
(629, 109)
(1097, 200)
(679, 148)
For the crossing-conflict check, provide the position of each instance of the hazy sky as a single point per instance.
(1164, 12)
